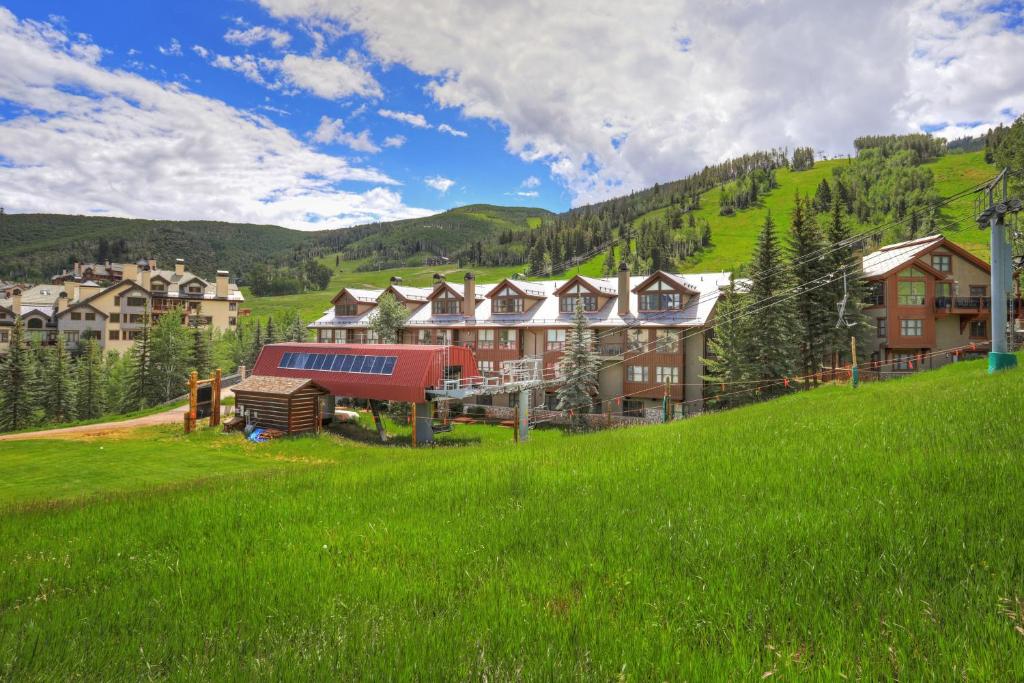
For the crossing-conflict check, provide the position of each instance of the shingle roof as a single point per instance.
(263, 384)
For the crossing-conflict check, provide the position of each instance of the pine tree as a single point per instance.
(771, 310)
(139, 369)
(842, 259)
(271, 335)
(579, 368)
(823, 197)
(90, 380)
(17, 375)
(297, 331)
(608, 268)
(729, 349)
(388, 319)
(170, 358)
(116, 373)
(58, 380)
(202, 359)
(814, 318)
(257, 345)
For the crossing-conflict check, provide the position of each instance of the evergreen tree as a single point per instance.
(813, 317)
(608, 268)
(18, 399)
(271, 335)
(297, 331)
(823, 197)
(257, 345)
(771, 312)
(91, 380)
(729, 349)
(58, 380)
(579, 368)
(116, 372)
(138, 387)
(202, 357)
(388, 319)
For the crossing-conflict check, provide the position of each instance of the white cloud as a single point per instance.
(445, 128)
(439, 183)
(201, 51)
(416, 120)
(88, 140)
(333, 130)
(172, 50)
(247, 65)
(653, 92)
(257, 34)
(532, 181)
(330, 78)
(394, 141)
(529, 193)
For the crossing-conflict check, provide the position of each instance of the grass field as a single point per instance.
(733, 237)
(862, 534)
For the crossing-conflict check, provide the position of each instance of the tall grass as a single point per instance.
(837, 533)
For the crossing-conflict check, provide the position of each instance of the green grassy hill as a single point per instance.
(867, 534)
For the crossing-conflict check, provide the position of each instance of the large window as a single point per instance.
(631, 407)
(637, 373)
(660, 296)
(424, 337)
(70, 336)
(346, 309)
(507, 300)
(876, 293)
(911, 293)
(911, 327)
(485, 339)
(666, 374)
(76, 316)
(979, 329)
(942, 263)
(446, 303)
(506, 339)
(636, 340)
(567, 302)
(339, 362)
(666, 341)
(555, 340)
(485, 366)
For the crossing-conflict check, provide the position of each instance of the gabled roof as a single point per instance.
(363, 296)
(409, 294)
(527, 289)
(128, 284)
(599, 287)
(278, 386)
(79, 306)
(894, 257)
(446, 286)
(674, 280)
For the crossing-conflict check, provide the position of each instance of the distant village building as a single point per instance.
(113, 310)
(437, 261)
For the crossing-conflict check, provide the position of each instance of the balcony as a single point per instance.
(609, 350)
(951, 304)
(875, 299)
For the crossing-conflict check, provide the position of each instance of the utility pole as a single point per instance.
(994, 215)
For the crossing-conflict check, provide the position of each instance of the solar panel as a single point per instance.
(339, 362)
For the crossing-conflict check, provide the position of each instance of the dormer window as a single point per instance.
(567, 302)
(158, 287)
(195, 289)
(446, 303)
(345, 309)
(508, 300)
(660, 296)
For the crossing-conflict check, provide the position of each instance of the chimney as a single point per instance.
(623, 290)
(438, 280)
(62, 302)
(78, 269)
(129, 271)
(395, 280)
(16, 302)
(469, 296)
(179, 266)
(152, 263)
(69, 289)
(147, 279)
(222, 284)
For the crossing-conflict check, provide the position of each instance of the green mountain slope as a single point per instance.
(867, 534)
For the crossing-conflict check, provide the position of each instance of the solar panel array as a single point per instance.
(339, 362)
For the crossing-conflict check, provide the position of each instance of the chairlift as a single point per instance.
(841, 307)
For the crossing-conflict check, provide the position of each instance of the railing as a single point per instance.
(874, 300)
(971, 303)
(610, 350)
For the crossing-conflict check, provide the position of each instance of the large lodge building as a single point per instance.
(926, 295)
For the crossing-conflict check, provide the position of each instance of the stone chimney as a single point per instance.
(130, 271)
(438, 280)
(222, 284)
(16, 301)
(179, 266)
(623, 298)
(469, 296)
(62, 302)
(78, 269)
(147, 279)
(152, 263)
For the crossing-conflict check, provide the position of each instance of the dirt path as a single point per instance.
(171, 416)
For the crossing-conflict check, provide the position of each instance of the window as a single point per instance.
(660, 296)
(90, 334)
(90, 316)
(666, 374)
(71, 336)
(485, 339)
(942, 263)
(115, 317)
(905, 361)
(158, 286)
(636, 340)
(133, 334)
(339, 362)
(912, 272)
(136, 318)
(567, 303)
(76, 316)
(911, 327)
(979, 329)
(555, 340)
(882, 328)
(447, 303)
(506, 339)
(136, 301)
(5, 336)
(943, 292)
(35, 324)
(233, 306)
(979, 290)
(485, 366)
(632, 407)
(195, 289)
(114, 335)
(346, 309)
(876, 293)
(508, 304)
(444, 337)
(424, 337)
(232, 321)
(637, 373)
(911, 293)
(117, 300)
(666, 341)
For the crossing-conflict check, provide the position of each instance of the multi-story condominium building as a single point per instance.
(114, 314)
(926, 295)
(651, 332)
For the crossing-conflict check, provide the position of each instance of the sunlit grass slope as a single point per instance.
(869, 534)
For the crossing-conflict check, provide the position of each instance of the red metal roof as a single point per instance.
(418, 367)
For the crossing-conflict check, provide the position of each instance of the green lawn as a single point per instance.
(870, 533)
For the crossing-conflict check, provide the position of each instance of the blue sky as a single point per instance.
(320, 113)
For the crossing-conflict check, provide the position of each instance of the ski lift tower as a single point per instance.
(995, 215)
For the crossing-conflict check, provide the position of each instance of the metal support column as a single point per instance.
(423, 424)
(523, 416)
(999, 358)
